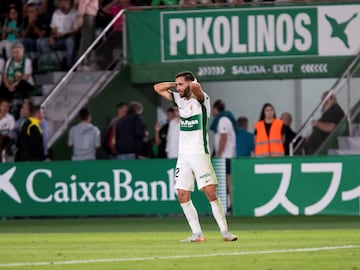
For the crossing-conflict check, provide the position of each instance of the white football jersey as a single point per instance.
(194, 118)
(225, 127)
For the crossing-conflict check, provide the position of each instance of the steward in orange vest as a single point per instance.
(269, 144)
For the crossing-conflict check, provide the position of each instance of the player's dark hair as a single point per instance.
(243, 122)
(188, 76)
(219, 105)
(84, 114)
(34, 109)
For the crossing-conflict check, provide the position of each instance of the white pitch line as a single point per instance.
(239, 253)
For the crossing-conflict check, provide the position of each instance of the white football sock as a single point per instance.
(219, 215)
(192, 217)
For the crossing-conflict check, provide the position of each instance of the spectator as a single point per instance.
(42, 6)
(161, 131)
(35, 27)
(10, 31)
(63, 31)
(130, 132)
(289, 133)
(30, 144)
(87, 11)
(14, 133)
(146, 146)
(244, 139)
(84, 138)
(109, 141)
(112, 8)
(331, 116)
(24, 115)
(7, 123)
(115, 40)
(18, 74)
(172, 138)
(269, 133)
(6, 4)
(225, 128)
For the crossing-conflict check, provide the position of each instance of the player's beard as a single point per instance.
(186, 92)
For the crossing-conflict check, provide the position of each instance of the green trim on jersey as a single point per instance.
(205, 122)
(173, 99)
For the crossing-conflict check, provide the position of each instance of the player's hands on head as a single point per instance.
(194, 83)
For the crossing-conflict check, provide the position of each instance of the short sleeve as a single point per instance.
(224, 126)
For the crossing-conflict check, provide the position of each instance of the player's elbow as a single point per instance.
(158, 87)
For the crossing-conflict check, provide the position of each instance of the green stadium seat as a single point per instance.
(48, 62)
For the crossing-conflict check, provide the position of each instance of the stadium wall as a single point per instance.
(274, 186)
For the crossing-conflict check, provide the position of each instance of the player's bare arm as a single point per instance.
(197, 91)
(164, 89)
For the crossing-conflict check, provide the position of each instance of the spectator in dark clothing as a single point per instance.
(42, 6)
(289, 133)
(30, 140)
(161, 132)
(130, 132)
(146, 147)
(244, 139)
(35, 27)
(6, 4)
(109, 140)
(330, 118)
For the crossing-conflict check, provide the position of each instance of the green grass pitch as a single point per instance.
(274, 243)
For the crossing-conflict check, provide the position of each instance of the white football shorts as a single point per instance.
(194, 166)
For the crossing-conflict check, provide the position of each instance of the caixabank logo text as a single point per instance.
(46, 185)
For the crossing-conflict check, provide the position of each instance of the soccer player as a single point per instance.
(194, 157)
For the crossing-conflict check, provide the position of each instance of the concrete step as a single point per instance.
(81, 81)
(351, 143)
(46, 89)
(48, 78)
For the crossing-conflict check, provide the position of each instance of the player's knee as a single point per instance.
(211, 195)
(183, 196)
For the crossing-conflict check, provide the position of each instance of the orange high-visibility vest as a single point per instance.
(272, 145)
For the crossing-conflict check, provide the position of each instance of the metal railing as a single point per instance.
(64, 101)
(346, 98)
